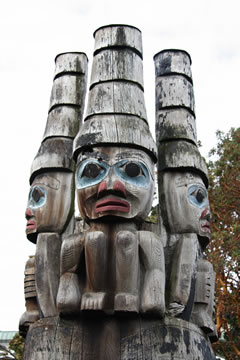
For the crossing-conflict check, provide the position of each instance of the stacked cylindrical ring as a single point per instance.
(175, 113)
(116, 96)
(65, 114)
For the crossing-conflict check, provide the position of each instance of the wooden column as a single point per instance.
(122, 337)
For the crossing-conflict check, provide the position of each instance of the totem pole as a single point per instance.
(50, 204)
(116, 288)
(183, 182)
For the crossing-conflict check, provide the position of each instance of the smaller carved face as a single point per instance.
(187, 203)
(49, 203)
(115, 181)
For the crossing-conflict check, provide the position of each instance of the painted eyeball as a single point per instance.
(132, 172)
(198, 195)
(132, 169)
(37, 197)
(90, 172)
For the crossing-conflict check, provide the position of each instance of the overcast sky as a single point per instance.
(34, 32)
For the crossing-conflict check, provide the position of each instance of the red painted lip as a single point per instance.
(31, 225)
(206, 227)
(112, 204)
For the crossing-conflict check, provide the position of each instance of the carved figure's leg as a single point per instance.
(96, 257)
(127, 272)
(47, 264)
(152, 256)
(69, 295)
(32, 313)
(182, 273)
(204, 301)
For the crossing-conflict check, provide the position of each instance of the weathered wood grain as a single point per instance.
(114, 130)
(54, 153)
(47, 264)
(181, 155)
(72, 62)
(174, 91)
(175, 124)
(111, 64)
(31, 313)
(118, 36)
(116, 338)
(173, 61)
(116, 98)
(63, 121)
(68, 90)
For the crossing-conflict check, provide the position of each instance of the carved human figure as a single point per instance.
(114, 190)
(187, 216)
(187, 204)
(49, 209)
(32, 313)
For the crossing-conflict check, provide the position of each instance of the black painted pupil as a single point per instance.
(132, 169)
(37, 194)
(91, 171)
(200, 196)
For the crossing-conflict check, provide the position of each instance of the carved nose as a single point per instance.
(117, 186)
(206, 214)
(28, 214)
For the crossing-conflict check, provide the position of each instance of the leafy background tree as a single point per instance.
(14, 350)
(224, 249)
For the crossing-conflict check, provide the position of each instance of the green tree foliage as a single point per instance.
(224, 249)
(15, 349)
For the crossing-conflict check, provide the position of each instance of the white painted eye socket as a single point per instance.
(198, 195)
(133, 172)
(91, 172)
(37, 197)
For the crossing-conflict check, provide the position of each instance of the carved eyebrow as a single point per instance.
(48, 181)
(92, 155)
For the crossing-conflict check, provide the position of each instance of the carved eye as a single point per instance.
(200, 196)
(37, 197)
(91, 171)
(37, 194)
(132, 169)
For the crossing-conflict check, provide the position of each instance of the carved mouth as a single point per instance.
(112, 204)
(206, 227)
(31, 225)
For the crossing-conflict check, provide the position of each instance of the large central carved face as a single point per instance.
(114, 181)
(49, 203)
(187, 205)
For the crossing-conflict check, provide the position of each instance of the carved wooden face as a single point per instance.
(49, 203)
(114, 181)
(187, 205)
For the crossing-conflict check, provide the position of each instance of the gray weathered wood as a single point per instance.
(174, 91)
(76, 62)
(118, 35)
(63, 121)
(54, 153)
(115, 130)
(173, 61)
(32, 311)
(181, 155)
(204, 300)
(183, 272)
(47, 260)
(175, 124)
(116, 338)
(111, 64)
(116, 97)
(68, 90)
